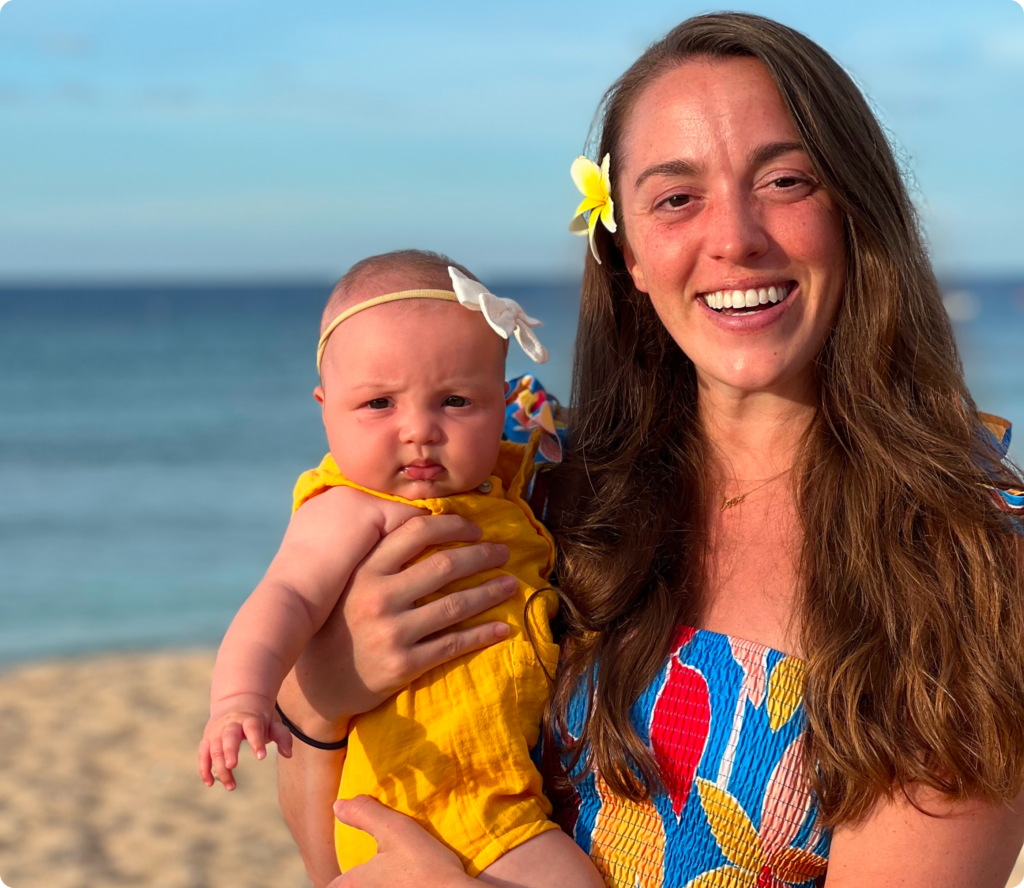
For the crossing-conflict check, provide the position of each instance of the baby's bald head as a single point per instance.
(389, 273)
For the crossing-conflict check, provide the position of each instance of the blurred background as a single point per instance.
(181, 183)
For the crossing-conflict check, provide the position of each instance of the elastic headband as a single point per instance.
(446, 295)
(504, 316)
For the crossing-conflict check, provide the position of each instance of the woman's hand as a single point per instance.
(377, 641)
(406, 853)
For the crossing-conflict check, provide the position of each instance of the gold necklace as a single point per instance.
(728, 503)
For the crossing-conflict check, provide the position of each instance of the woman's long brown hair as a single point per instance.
(912, 608)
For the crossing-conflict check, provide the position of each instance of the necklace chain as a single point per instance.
(729, 502)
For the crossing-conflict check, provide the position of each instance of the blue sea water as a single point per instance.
(150, 437)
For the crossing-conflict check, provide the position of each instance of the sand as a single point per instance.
(98, 783)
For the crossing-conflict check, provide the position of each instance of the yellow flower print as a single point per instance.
(595, 183)
(785, 691)
(762, 857)
(628, 841)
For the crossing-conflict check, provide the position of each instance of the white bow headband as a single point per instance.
(505, 316)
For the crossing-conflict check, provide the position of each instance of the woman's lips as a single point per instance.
(751, 320)
(423, 471)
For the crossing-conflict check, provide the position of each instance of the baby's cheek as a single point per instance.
(480, 446)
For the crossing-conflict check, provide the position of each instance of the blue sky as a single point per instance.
(227, 138)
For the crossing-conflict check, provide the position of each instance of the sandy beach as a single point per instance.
(98, 784)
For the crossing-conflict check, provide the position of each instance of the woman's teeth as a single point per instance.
(747, 298)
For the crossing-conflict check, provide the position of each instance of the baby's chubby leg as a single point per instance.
(550, 860)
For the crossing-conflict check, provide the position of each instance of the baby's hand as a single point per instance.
(251, 716)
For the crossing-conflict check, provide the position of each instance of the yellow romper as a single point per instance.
(453, 749)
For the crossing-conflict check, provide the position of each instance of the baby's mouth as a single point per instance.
(737, 303)
(423, 470)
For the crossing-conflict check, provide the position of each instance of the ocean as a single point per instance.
(150, 437)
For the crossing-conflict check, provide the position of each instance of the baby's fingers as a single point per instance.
(231, 740)
(254, 733)
(223, 771)
(205, 763)
(282, 737)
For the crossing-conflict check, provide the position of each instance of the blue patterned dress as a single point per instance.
(724, 718)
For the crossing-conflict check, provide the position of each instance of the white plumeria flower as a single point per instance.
(505, 316)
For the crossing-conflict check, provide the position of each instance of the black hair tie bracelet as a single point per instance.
(309, 741)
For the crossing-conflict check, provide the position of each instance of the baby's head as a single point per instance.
(413, 391)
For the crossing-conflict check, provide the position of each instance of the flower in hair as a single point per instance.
(595, 183)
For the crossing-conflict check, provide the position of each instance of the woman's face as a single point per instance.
(720, 204)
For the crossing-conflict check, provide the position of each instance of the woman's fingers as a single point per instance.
(371, 817)
(406, 853)
(458, 606)
(427, 576)
(404, 543)
(428, 654)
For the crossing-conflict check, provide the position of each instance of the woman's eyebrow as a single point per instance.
(670, 168)
(770, 150)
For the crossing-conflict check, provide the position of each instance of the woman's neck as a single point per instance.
(754, 434)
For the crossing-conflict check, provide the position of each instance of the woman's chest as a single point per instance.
(752, 580)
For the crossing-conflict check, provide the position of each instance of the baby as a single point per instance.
(412, 361)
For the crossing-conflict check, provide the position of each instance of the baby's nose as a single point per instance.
(421, 428)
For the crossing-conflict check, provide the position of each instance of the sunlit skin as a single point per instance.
(716, 193)
(405, 416)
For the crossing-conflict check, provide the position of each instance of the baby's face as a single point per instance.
(413, 398)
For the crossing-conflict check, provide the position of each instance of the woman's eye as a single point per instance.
(676, 201)
(456, 401)
(787, 181)
(378, 404)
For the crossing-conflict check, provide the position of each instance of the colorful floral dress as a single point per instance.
(725, 721)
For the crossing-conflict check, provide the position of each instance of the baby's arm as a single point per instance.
(550, 860)
(327, 537)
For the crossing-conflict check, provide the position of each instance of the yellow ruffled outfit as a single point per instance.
(453, 749)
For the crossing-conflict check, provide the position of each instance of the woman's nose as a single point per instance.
(735, 233)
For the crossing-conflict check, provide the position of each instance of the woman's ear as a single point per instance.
(634, 268)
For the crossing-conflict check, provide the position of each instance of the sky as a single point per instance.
(217, 139)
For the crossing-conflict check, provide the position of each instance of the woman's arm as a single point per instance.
(374, 643)
(955, 845)
(308, 786)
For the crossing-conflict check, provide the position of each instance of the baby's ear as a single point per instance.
(318, 393)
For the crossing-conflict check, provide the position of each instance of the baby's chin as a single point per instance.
(409, 488)
(400, 484)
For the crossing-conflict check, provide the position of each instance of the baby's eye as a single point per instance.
(378, 404)
(456, 401)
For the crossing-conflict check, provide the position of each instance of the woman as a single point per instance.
(793, 604)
